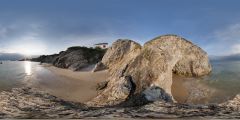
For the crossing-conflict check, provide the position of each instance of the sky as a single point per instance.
(49, 26)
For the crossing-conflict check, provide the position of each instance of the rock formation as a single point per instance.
(134, 69)
(74, 58)
(35, 104)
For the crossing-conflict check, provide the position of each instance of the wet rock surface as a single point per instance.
(32, 103)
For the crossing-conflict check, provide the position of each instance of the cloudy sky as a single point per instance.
(48, 26)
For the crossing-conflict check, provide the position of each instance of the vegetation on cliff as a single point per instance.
(73, 58)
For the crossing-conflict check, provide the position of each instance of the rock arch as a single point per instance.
(148, 67)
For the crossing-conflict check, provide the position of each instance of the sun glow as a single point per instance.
(27, 45)
(28, 68)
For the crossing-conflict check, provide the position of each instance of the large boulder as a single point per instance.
(121, 51)
(151, 65)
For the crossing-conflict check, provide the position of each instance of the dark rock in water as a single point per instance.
(150, 65)
(74, 58)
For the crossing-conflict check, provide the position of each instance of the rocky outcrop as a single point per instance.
(74, 58)
(99, 66)
(234, 104)
(150, 65)
(46, 58)
(32, 103)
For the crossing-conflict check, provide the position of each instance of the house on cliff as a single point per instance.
(101, 45)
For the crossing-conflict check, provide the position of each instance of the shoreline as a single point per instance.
(69, 85)
(31, 102)
(72, 86)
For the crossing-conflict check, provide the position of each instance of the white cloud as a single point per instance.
(227, 40)
(230, 33)
(235, 49)
(28, 44)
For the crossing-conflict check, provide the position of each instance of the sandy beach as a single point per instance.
(70, 85)
(80, 86)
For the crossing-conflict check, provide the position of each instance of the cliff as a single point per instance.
(73, 58)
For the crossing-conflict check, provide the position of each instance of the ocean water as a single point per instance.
(222, 84)
(225, 78)
(13, 73)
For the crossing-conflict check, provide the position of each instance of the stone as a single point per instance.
(234, 103)
(119, 92)
(155, 93)
(153, 64)
(99, 66)
(32, 103)
(102, 85)
(74, 58)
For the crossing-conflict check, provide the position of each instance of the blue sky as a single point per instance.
(48, 26)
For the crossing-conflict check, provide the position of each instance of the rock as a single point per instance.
(120, 91)
(122, 50)
(234, 103)
(74, 58)
(32, 103)
(102, 85)
(46, 58)
(187, 58)
(155, 93)
(99, 66)
(152, 64)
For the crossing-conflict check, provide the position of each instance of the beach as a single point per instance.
(76, 86)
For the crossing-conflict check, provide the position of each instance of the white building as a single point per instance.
(102, 45)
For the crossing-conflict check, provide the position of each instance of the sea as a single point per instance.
(222, 84)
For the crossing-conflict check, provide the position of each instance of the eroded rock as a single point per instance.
(119, 92)
(235, 103)
(35, 104)
(152, 64)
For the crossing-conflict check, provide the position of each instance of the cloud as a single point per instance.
(229, 34)
(225, 41)
(235, 49)
(46, 38)
(28, 44)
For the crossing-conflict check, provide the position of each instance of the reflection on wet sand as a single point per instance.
(66, 84)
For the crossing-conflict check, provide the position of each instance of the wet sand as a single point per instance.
(179, 91)
(193, 90)
(81, 86)
(69, 85)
